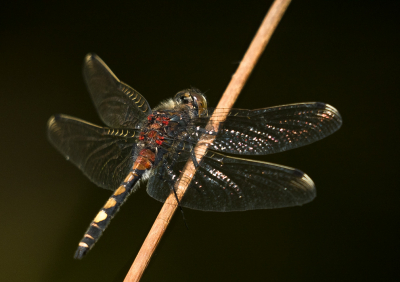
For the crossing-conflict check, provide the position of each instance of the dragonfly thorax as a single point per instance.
(155, 129)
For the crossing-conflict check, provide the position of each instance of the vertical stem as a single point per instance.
(229, 97)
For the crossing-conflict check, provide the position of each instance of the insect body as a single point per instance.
(139, 143)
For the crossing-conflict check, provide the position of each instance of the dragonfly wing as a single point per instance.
(158, 186)
(223, 183)
(270, 130)
(103, 154)
(118, 104)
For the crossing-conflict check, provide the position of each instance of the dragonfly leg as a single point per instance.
(171, 183)
(180, 207)
(194, 160)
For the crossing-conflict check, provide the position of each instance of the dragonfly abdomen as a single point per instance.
(144, 161)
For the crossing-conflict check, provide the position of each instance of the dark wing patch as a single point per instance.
(223, 184)
(270, 130)
(118, 104)
(103, 154)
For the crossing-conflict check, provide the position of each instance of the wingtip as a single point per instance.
(332, 111)
(322, 105)
(307, 182)
(95, 64)
(336, 115)
(310, 183)
(90, 57)
(52, 120)
(309, 190)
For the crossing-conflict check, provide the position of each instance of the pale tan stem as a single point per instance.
(229, 97)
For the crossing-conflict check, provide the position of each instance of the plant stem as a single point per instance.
(229, 97)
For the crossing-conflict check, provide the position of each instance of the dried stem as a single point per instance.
(229, 97)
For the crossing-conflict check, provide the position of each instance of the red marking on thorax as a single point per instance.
(152, 134)
(163, 120)
(154, 130)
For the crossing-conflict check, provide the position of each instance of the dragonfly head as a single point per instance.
(193, 98)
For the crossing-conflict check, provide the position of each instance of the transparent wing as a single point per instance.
(118, 104)
(103, 154)
(269, 130)
(223, 183)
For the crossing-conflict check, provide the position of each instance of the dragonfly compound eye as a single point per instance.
(199, 102)
(184, 97)
(193, 98)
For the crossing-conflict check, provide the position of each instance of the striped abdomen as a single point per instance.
(144, 161)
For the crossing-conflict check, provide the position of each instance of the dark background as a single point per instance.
(345, 53)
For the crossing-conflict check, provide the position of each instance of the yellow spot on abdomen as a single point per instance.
(88, 236)
(81, 244)
(129, 177)
(119, 191)
(100, 216)
(110, 203)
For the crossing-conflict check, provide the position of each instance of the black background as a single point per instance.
(345, 53)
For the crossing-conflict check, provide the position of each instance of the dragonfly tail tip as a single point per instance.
(80, 252)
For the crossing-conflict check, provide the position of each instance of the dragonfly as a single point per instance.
(140, 144)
